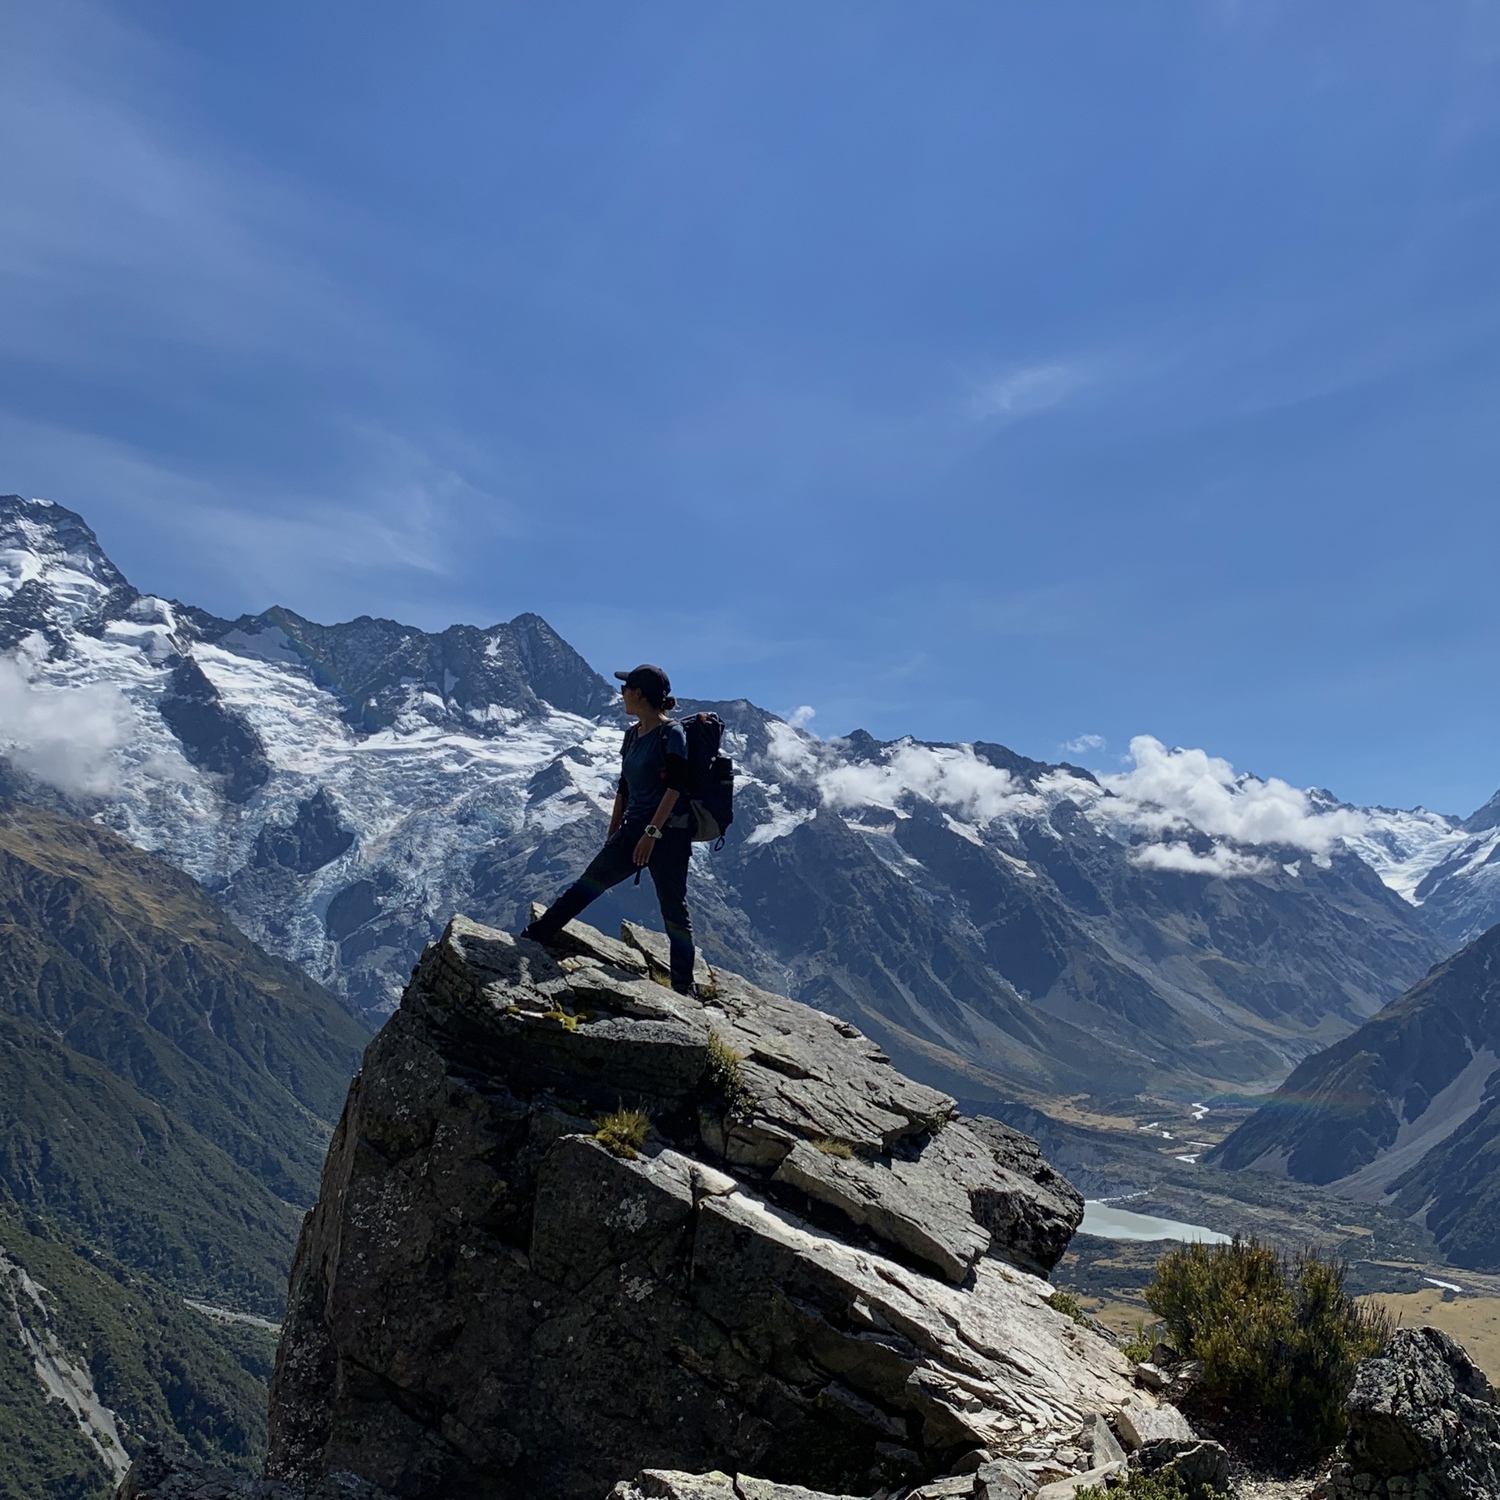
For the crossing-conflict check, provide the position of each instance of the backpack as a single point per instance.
(710, 779)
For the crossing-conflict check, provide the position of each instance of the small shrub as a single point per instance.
(1139, 1344)
(1163, 1485)
(623, 1132)
(724, 1073)
(1279, 1338)
(1067, 1303)
(830, 1147)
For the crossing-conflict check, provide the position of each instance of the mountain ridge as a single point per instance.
(1026, 925)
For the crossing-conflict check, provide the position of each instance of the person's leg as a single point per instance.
(669, 870)
(612, 864)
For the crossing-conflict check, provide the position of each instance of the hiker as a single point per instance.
(648, 830)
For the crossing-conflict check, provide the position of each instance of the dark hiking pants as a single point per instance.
(616, 862)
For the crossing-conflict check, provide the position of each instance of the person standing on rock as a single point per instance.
(646, 831)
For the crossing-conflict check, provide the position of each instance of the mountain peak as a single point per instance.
(54, 575)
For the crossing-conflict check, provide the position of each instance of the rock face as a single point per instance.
(1422, 1421)
(806, 1267)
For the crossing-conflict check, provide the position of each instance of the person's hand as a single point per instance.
(643, 849)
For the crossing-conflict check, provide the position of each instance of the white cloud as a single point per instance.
(1220, 860)
(1085, 744)
(951, 776)
(67, 737)
(800, 718)
(1178, 791)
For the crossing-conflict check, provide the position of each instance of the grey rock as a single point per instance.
(486, 1300)
(921, 1211)
(1198, 1463)
(1422, 1411)
(1103, 1446)
(653, 949)
(578, 939)
(1153, 1377)
(949, 1487)
(1065, 1489)
(1004, 1479)
(667, 1484)
(968, 1463)
(1142, 1420)
(1031, 1210)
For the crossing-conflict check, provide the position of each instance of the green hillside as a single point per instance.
(169, 1373)
(166, 1095)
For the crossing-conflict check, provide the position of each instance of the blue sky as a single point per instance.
(1010, 371)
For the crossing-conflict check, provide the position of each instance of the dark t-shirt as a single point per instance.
(647, 769)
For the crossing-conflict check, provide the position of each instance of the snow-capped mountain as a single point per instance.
(1001, 923)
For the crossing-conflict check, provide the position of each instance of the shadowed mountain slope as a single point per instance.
(1406, 1110)
(166, 1091)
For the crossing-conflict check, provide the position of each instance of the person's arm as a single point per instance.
(618, 815)
(658, 820)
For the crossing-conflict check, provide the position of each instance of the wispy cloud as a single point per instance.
(1085, 744)
(392, 512)
(1022, 393)
(800, 718)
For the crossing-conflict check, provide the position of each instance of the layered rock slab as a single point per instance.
(488, 1301)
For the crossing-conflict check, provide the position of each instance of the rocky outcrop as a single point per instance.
(1422, 1422)
(778, 1256)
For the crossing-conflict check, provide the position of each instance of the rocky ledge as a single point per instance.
(1423, 1425)
(781, 1258)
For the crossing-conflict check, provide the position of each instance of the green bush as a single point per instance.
(1279, 1338)
(1162, 1485)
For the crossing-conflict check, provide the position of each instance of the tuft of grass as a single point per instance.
(566, 1019)
(724, 1072)
(1279, 1337)
(1067, 1303)
(623, 1132)
(831, 1147)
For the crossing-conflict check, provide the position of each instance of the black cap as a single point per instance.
(651, 681)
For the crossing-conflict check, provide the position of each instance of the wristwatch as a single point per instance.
(652, 831)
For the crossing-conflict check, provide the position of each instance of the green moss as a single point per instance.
(566, 1019)
(623, 1132)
